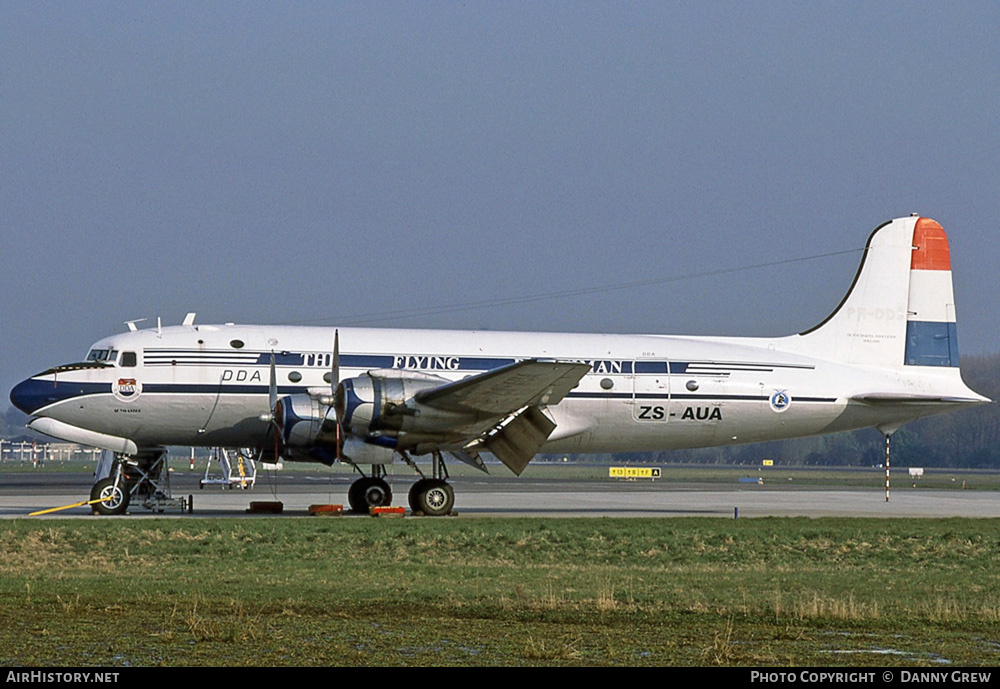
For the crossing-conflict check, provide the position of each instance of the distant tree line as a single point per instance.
(969, 438)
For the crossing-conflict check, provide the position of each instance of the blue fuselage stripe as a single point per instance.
(35, 394)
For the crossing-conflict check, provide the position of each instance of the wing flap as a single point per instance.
(470, 457)
(517, 441)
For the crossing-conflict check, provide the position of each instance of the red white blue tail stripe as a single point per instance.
(931, 338)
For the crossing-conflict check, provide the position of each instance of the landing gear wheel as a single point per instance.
(416, 490)
(118, 497)
(369, 492)
(354, 497)
(377, 493)
(434, 497)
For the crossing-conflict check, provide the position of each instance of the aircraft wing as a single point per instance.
(510, 398)
(505, 390)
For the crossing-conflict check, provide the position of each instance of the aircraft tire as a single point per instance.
(436, 498)
(355, 498)
(414, 497)
(118, 502)
(368, 492)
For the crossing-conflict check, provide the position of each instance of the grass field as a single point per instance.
(360, 591)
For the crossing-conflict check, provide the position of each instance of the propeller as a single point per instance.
(334, 401)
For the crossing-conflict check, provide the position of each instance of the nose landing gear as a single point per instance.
(113, 495)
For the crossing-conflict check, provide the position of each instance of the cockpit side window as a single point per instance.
(128, 359)
(102, 355)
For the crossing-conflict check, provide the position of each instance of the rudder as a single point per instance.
(931, 335)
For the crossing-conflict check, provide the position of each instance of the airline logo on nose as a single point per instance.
(126, 389)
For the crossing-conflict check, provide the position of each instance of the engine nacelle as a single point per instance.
(381, 403)
(377, 410)
(305, 421)
(309, 432)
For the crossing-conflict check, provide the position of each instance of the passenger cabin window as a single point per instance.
(128, 359)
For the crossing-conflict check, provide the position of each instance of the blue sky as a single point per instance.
(317, 162)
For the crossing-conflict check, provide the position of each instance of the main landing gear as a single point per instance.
(430, 496)
(433, 497)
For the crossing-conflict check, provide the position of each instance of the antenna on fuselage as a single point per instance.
(131, 324)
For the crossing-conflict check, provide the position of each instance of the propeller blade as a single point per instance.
(334, 386)
(274, 412)
(335, 367)
(276, 429)
(272, 388)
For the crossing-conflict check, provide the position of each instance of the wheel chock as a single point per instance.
(326, 510)
(387, 511)
(264, 507)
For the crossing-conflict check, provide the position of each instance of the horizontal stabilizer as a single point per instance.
(917, 399)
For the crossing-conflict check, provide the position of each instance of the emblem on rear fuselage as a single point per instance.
(126, 389)
(780, 401)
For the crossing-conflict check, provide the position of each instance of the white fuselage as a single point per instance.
(208, 385)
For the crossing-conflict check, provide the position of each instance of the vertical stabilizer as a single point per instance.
(900, 310)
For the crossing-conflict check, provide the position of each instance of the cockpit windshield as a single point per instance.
(109, 355)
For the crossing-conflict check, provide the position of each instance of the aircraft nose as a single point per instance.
(27, 395)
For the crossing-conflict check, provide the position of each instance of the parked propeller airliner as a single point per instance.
(887, 355)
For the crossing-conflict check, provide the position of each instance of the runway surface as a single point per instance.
(23, 493)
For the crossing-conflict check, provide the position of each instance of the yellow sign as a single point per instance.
(769, 462)
(633, 472)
